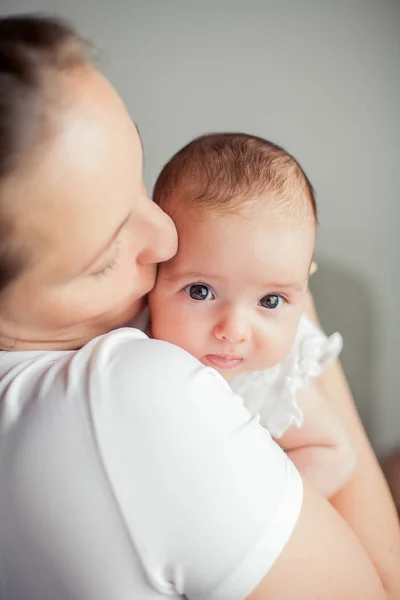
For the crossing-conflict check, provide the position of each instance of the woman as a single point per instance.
(127, 469)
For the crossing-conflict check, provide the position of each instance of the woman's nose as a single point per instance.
(233, 328)
(161, 239)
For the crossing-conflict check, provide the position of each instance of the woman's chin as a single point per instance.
(125, 314)
(115, 319)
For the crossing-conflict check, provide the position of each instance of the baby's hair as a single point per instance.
(224, 173)
(35, 51)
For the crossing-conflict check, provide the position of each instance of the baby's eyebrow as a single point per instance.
(295, 285)
(191, 275)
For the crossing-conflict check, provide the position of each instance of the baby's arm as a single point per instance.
(321, 448)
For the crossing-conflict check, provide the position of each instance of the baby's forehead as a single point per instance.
(291, 208)
(242, 246)
(261, 214)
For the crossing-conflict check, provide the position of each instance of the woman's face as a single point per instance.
(91, 235)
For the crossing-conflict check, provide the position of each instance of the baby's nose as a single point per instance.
(234, 329)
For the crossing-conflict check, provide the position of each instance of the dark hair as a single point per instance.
(220, 172)
(33, 51)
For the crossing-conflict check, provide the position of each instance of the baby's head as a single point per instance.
(246, 219)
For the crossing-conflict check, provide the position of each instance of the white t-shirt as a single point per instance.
(128, 471)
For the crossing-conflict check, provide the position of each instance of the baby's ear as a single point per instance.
(313, 268)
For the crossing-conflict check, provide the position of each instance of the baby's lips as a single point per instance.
(220, 361)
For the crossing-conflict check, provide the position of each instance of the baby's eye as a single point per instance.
(199, 292)
(272, 301)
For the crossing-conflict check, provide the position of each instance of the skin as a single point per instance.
(90, 263)
(253, 272)
(391, 469)
(61, 302)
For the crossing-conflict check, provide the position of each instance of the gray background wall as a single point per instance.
(323, 79)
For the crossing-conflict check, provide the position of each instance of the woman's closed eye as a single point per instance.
(105, 270)
(272, 301)
(109, 266)
(199, 292)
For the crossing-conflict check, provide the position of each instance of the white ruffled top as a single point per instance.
(271, 393)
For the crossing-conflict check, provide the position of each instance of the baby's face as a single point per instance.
(234, 293)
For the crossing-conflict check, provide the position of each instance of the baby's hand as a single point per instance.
(321, 449)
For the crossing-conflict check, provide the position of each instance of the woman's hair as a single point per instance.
(221, 173)
(34, 52)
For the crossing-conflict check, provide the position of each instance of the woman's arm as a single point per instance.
(365, 502)
(323, 560)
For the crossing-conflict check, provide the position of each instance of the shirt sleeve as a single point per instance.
(208, 498)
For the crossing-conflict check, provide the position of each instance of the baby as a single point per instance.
(234, 295)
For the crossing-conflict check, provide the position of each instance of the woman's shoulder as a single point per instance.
(134, 348)
(127, 361)
(143, 423)
(127, 352)
(129, 372)
(118, 369)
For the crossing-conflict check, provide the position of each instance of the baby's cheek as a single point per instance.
(188, 333)
(172, 324)
(278, 344)
(164, 324)
(281, 348)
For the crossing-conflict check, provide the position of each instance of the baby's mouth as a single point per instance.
(223, 361)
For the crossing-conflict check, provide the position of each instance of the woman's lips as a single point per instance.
(223, 361)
